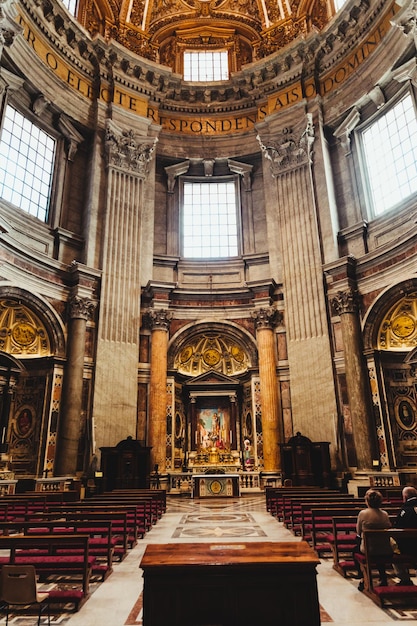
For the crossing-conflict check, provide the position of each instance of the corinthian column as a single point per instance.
(265, 321)
(345, 304)
(157, 425)
(80, 310)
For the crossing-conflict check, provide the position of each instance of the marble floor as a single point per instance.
(118, 600)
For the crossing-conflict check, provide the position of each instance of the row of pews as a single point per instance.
(326, 519)
(75, 539)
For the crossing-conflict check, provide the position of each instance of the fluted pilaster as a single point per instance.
(289, 156)
(125, 246)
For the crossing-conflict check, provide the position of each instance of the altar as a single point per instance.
(215, 485)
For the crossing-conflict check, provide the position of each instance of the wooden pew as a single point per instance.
(292, 507)
(274, 496)
(322, 527)
(101, 545)
(124, 518)
(50, 555)
(403, 595)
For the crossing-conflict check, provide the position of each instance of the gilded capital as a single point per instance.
(81, 308)
(159, 319)
(346, 302)
(291, 150)
(267, 318)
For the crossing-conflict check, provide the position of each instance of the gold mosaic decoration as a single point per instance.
(158, 29)
(21, 331)
(212, 352)
(398, 330)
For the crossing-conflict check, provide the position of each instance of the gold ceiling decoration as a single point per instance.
(160, 30)
(212, 351)
(398, 330)
(21, 332)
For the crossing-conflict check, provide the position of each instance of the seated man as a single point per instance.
(407, 518)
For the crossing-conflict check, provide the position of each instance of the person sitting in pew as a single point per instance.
(373, 518)
(406, 518)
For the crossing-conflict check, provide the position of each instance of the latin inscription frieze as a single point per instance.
(193, 124)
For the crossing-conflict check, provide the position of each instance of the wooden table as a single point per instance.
(230, 584)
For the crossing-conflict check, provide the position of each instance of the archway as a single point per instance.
(214, 421)
(390, 337)
(32, 347)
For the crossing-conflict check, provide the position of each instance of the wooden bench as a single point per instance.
(292, 506)
(274, 496)
(125, 523)
(101, 546)
(401, 595)
(51, 555)
(322, 528)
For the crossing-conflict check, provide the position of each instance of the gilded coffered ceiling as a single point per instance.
(160, 30)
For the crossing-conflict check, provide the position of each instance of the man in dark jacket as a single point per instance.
(407, 518)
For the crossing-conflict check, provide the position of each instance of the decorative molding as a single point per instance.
(173, 171)
(407, 21)
(159, 319)
(127, 151)
(345, 129)
(267, 318)
(406, 72)
(346, 301)
(8, 81)
(9, 28)
(72, 136)
(244, 170)
(81, 308)
(291, 150)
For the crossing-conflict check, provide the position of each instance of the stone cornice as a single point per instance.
(303, 60)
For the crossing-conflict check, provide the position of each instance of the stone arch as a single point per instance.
(53, 324)
(230, 330)
(384, 302)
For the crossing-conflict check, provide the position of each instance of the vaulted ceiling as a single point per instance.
(160, 30)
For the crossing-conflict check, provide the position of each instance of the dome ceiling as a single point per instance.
(160, 30)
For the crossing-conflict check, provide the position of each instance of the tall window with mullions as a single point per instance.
(389, 156)
(27, 156)
(209, 220)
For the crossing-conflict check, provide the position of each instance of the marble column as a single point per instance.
(345, 303)
(80, 310)
(265, 321)
(157, 426)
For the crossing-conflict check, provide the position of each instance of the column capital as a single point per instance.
(81, 308)
(292, 148)
(346, 301)
(127, 150)
(267, 318)
(159, 319)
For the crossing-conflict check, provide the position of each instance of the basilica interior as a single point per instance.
(208, 243)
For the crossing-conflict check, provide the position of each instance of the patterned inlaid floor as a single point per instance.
(207, 525)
